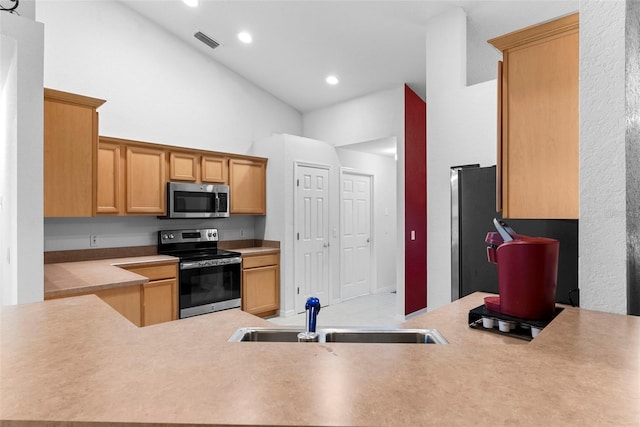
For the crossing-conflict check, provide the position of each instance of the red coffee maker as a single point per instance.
(527, 273)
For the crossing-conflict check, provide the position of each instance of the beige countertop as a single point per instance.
(258, 250)
(68, 278)
(77, 360)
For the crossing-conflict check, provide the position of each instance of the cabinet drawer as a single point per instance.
(155, 272)
(259, 260)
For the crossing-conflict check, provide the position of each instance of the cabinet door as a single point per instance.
(261, 290)
(160, 301)
(108, 177)
(538, 140)
(70, 136)
(247, 182)
(146, 184)
(126, 300)
(214, 169)
(183, 167)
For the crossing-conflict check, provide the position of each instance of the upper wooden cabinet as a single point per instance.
(85, 175)
(183, 166)
(194, 166)
(70, 143)
(538, 122)
(248, 186)
(131, 178)
(214, 169)
(146, 181)
(109, 193)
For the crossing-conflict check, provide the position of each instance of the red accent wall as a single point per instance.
(415, 201)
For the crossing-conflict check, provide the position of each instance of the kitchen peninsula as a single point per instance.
(77, 360)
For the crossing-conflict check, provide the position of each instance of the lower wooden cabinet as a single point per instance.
(153, 302)
(126, 300)
(261, 284)
(160, 294)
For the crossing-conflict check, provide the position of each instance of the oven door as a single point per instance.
(207, 288)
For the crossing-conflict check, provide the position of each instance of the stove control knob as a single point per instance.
(164, 236)
(171, 236)
(210, 234)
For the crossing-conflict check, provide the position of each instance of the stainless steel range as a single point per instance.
(209, 278)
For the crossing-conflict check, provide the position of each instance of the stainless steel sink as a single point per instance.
(385, 336)
(344, 335)
(265, 335)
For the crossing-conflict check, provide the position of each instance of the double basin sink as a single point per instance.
(348, 335)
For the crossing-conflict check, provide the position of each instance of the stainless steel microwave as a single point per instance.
(187, 200)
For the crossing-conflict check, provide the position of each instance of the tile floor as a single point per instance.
(369, 310)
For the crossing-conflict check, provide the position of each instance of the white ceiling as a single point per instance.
(369, 45)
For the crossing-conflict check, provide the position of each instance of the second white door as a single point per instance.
(312, 235)
(355, 242)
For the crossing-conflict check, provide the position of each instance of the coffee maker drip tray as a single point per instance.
(491, 321)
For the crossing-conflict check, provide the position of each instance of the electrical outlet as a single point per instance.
(241, 233)
(93, 240)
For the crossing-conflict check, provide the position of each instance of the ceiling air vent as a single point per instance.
(206, 40)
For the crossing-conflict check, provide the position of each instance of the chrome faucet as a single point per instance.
(313, 308)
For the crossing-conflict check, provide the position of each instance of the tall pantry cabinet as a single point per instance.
(538, 123)
(70, 144)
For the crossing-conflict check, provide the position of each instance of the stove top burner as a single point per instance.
(204, 254)
(192, 245)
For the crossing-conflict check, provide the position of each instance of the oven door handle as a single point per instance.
(216, 263)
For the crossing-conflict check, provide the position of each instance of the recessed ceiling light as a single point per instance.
(192, 3)
(332, 80)
(245, 37)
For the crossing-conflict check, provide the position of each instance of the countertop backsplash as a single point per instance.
(64, 234)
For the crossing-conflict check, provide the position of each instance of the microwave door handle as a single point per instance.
(217, 203)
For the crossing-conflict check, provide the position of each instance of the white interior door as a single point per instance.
(311, 235)
(355, 242)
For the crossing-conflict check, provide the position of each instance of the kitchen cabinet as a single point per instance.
(248, 186)
(538, 123)
(160, 294)
(108, 199)
(214, 169)
(183, 166)
(192, 166)
(126, 300)
(70, 142)
(130, 178)
(153, 302)
(261, 284)
(146, 181)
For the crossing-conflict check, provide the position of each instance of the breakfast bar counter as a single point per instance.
(68, 278)
(76, 360)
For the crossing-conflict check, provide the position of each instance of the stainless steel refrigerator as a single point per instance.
(473, 207)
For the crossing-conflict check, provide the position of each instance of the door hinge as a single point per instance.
(298, 290)
(297, 183)
(298, 236)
